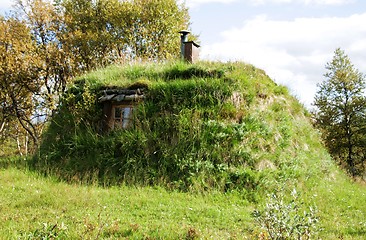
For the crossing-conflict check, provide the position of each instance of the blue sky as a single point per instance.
(291, 40)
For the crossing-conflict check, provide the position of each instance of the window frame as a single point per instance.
(123, 119)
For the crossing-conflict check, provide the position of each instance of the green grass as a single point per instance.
(32, 205)
(29, 201)
(205, 126)
(210, 142)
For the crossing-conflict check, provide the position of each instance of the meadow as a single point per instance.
(219, 151)
(37, 207)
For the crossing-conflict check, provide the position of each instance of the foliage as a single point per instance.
(341, 109)
(98, 33)
(18, 80)
(282, 219)
(44, 44)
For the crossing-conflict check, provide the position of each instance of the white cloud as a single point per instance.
(294, 52)
(327, 2)
(196, 3)
(306, 2)
(5, 6)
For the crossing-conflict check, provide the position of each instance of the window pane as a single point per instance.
(126, 112)
(122, 116)
(117, 112)
(126, 116)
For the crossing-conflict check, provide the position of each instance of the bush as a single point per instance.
(281, 219)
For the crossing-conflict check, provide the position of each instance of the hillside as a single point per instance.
(212, 138)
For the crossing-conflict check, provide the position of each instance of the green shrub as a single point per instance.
(286, 219)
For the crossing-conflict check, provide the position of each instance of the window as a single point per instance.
(122, 116)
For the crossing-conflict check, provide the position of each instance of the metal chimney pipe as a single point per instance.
(183, 39)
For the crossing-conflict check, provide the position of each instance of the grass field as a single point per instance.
(33, 207)
(214, 144)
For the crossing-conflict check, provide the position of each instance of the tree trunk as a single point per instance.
(350, 162)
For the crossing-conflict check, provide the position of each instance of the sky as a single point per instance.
(292, 40)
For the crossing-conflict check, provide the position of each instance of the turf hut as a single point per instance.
(207, 125)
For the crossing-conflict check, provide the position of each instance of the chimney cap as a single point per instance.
(184, 32)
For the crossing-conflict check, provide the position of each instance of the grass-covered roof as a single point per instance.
(209, 126)
(204, 128)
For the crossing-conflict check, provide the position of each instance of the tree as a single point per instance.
(19, 77)
(45, 24)
(341, 112)
(154, 34)
(34, 71)
(105, 31)
(48, 42)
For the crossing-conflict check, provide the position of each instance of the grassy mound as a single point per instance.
(210, 141)
(206, 126)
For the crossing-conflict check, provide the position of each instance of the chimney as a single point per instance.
(183, 40)
(188, 49)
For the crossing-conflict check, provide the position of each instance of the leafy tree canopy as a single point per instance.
(341, 108)
(45, 43)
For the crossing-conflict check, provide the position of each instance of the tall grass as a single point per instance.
(206, 126)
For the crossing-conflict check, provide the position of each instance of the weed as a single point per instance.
(192, 234)
(282, 219)
(48, 231)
